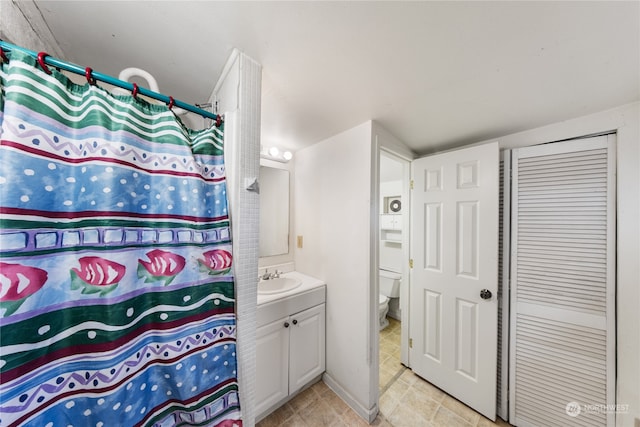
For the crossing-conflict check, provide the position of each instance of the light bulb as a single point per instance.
(273, 151)
(287, 155)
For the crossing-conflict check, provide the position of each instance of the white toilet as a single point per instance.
(389, 288)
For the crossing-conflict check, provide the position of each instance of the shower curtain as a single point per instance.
(116, 287)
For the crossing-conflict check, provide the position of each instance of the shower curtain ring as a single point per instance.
(171, 101)
(44, 67)
(88, 73)
(3, 55)
(134, 92)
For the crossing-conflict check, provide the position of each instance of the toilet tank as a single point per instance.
(389, 283)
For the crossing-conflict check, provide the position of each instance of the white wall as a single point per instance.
(626, 121)
(333, 211)
(23, 25)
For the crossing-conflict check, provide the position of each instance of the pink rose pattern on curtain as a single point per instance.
(116, 290)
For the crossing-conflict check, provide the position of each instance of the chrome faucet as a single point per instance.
(267, 275)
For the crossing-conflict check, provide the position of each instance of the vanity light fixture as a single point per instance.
(274, 153)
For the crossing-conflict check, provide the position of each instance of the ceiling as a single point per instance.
(435, 74)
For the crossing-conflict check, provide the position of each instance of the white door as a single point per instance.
(454, 250)
(562, 368)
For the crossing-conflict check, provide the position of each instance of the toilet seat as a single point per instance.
(382, 299)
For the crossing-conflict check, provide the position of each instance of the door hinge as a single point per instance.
(410, 342)
(411, 184)
(410, 263)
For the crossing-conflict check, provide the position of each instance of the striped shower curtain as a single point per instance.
(116, 288)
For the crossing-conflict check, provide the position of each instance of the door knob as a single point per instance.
(286, 324)
(485, 294)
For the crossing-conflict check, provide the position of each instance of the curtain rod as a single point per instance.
(90, 74)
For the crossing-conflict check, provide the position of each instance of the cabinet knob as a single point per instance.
(286, 324)
(295, 322)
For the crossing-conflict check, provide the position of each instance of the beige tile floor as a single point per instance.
(406, 400)
(317, 406)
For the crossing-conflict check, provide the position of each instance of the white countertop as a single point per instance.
(308, 283)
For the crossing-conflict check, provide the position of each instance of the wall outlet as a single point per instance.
(299, 242)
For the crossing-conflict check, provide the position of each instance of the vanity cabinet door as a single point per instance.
(272, 363)
(306, 347)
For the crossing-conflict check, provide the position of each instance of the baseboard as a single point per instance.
(367, 414)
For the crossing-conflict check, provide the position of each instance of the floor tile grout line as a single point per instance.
(393, 380)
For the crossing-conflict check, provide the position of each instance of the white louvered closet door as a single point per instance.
(562, 346)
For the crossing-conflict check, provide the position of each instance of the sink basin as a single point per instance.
(277, 285)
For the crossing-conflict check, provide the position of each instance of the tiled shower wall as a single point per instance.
(238, 93)
(248, 224)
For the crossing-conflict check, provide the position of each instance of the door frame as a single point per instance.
(406, 217)
(504, 257)
(375, 255)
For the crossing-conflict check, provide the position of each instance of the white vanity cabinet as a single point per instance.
(290, 347)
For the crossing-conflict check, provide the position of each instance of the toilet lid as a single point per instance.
(382, 299)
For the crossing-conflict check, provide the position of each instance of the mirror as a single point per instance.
(274, 211)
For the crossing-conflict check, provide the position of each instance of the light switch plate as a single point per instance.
(299, 242)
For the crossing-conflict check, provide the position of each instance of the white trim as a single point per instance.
(369, 415)
(405, 242)
(373, 340)
(383, 141)
(611, 273)
(504, 285)
(228, 66)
